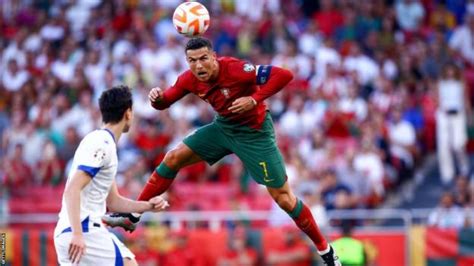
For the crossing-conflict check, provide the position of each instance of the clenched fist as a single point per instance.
(243, 104)
(155, 95)
(158, 203)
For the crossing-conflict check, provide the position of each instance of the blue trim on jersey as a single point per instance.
(110, 132)
(92, 171)
(263, 74)
(118, 255)
(84, 225)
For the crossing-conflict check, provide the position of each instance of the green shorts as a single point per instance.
(257, 149)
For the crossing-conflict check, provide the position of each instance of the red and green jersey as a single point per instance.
(236, 79)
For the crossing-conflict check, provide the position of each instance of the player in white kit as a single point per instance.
(80, 237)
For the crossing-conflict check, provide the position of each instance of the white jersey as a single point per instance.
(451, 95)
(97, 156)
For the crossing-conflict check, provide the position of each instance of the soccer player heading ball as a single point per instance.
(236, 90)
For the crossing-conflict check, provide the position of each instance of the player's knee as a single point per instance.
(129, 262)
(284, 200)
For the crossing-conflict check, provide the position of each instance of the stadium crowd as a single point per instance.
(357, 120)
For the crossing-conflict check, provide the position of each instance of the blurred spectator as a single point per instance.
(49, 169)
(447, 214)
(54, 29)
(469, 210)
(238, 252)
(4, 123)
(310, 40)
(95, 70)
(180, 254)
(291, 122)
(325, 55)
(402, 141)
(463, 38)
(351, 251)
(145, 254)
(314, 152)
(292, 252)
(461, 191)
(369, 164)
(365, 67)
(353, 105)
(14, 78)
(410, 14)
(18, 173)
(62, 68)
(354, 180)
(328, 17)
(69, 145)
(441, 17)
(335, 195)
(451, 116)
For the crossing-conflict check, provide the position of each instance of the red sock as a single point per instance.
(305, 222)
(155, 186)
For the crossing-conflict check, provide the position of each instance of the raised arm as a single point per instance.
(163, 99)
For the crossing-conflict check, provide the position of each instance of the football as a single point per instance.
(191, 19)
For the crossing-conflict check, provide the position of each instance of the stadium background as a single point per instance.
(357, 125)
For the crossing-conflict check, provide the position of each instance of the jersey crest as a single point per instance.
(225, 92)
(249, 67)
(99, 155)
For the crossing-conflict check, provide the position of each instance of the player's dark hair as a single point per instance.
(114, 103)
(197, 43)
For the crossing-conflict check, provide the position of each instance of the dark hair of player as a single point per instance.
(114, 103)
(197, 43)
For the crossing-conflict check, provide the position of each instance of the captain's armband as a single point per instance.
(263, 73)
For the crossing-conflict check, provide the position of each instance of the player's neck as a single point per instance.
(215, 75)
(115, 129)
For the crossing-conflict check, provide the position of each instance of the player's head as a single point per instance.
(116, 106)
(202, 59)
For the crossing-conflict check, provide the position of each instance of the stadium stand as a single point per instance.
(356, 125)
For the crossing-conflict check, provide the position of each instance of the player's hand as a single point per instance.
(243, 104)
(77, 248)
(155, 94)
(158, 203)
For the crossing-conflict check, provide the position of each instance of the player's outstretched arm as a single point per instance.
(161, 100)
(118, 203)
(72, 196)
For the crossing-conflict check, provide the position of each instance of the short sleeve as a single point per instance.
(92, 155)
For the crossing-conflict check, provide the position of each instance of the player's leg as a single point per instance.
(443, 138)
(301, 215)
(262, 158)
(161, 179)
(207, 143)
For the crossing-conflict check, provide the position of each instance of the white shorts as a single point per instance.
(102, 248)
